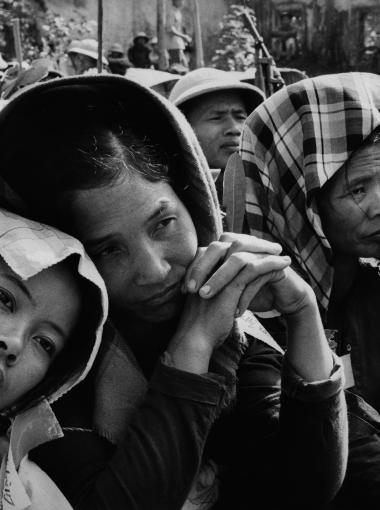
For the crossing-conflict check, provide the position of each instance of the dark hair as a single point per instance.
(95, 155)
(87, 137)
(98, 156)
(88, 155)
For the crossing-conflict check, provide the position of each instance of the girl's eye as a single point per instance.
(46, 344)
(7, 300)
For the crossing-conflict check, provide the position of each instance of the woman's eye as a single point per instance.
(7, 300)
(46, 344)
(164, 223)
(358, 192)
(106, 251)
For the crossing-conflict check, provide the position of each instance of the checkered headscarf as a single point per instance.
(292, 144)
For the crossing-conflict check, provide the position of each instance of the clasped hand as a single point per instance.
(235, 273)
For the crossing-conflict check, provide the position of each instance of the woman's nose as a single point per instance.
(11, 347)
(151, 265)
(373, 206)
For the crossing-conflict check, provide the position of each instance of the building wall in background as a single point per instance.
(124, 18)
(333, 31)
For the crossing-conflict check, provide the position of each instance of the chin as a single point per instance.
(164, 313)
(372, 251)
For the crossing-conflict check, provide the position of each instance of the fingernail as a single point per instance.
(237, 312)
(191, 285)
(205, 290)
(287, 259)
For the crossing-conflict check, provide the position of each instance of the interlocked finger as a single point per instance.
(255, 298)
(246, 266)
(204, 263)
(249, 243)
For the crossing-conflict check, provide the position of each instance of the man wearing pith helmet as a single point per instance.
(216, 104)
(83, 57)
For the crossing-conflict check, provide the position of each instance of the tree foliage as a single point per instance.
(43, 33)
(236, 46)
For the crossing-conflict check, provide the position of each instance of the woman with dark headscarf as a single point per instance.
(311, 155)
(120, 167)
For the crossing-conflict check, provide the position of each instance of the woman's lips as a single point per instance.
(161, 297)
(373, 235)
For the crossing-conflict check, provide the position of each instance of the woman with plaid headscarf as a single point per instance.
(311, 156)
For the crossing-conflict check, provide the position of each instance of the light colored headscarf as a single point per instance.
(28, 248)
(292, 144)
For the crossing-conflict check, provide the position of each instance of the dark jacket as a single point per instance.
(181, 418)
(269, 437)
(358, 337)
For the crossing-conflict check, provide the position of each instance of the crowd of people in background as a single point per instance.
(81, 56)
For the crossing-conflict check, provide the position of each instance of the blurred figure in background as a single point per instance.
(117, 61)
(176, 38)
(285, 39)
(139, 52)
(155, 54)
(83, 57)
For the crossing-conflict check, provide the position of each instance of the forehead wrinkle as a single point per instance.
(218, 100)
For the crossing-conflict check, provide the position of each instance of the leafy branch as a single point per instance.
(236, 45)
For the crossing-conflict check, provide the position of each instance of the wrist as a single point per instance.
(308, 350)
(307, 309)
(190, 354)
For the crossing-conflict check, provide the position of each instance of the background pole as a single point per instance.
(17, 40)
(100, 36)
(199, 58)
(161, 34)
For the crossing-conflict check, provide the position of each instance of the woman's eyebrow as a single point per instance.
(97, 240)
(358, 179)
(162, 207)
(18, 282)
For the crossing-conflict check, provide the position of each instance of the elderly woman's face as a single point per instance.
(349, 205)
(141, 238)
